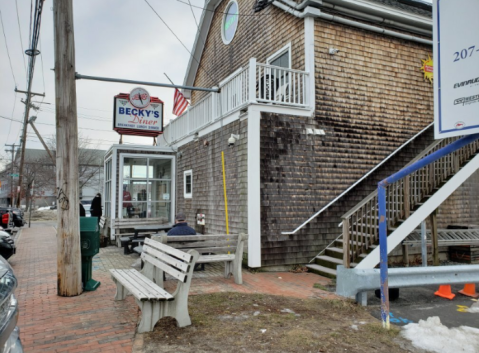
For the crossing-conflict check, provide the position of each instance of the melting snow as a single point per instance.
(435, 337)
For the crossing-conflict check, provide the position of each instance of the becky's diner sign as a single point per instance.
(137, 113)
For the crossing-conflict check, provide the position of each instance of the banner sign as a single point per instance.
(129, 119)
(456, 57)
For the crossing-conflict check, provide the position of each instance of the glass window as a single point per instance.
(160, 169)
(188, 184)
(282, 61)
(230, 22)
(147, 188)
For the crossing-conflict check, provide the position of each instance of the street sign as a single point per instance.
(15, 175)
(456, 56)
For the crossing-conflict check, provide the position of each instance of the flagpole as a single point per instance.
(168, 78)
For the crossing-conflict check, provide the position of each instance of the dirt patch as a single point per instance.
(236, 322)
(46, 215)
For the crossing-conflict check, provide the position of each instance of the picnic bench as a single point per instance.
(213, 248)
(147, 286)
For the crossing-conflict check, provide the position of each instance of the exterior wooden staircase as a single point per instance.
(360, 226)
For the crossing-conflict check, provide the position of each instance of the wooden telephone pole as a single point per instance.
(68, 227)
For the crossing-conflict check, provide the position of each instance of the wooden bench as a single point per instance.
(213, 248)
(147, 286)
(122, 224)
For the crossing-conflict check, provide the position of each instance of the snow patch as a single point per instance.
(433, 336)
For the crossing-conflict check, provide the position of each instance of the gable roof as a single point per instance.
(397, 10)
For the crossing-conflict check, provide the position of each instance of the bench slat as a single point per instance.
(162, 266)
(203, 259)
(166, 248)
(183, 266)
(216, 250)
(204, 244)
(140, 286)
(175, 238)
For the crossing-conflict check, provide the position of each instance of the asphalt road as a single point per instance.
(419, 303)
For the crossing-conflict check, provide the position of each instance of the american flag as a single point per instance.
(180, 103)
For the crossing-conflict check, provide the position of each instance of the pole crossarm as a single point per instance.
(31, 93)
(156, 84)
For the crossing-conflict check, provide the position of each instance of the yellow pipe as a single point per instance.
(224, 189)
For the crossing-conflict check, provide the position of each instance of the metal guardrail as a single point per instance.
(354, 283)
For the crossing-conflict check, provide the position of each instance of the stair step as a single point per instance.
(321, 270)
(326, 258)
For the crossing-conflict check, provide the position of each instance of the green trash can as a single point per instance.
(90, 246)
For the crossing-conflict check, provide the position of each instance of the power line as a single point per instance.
(184, 46)
(13, 111)
(8, 52)
(43, 75)
(225, 13)
(21, 41)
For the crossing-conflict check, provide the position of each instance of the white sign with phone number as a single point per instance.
(456, 56)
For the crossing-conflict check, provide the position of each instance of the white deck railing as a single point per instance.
(256, 83)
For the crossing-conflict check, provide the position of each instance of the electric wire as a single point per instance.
(41, 59)
(21, 41)
(184, 46)
(13, 111)
(225, 13)
(8, 52)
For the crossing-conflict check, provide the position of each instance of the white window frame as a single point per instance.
(153, 156)
(190, 194)
(286, 48)
(226, 42)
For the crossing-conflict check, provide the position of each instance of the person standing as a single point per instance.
(95, 208)
(181, 227)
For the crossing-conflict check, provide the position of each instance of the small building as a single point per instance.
(139, 183)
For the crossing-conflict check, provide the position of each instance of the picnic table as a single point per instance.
(140, 233)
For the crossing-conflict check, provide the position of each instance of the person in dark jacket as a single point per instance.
(82, 211)
(95, 208)
(181, 227)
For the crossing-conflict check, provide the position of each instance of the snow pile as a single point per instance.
(433, 336)
(474, 309)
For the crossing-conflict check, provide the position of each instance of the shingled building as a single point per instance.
(322, 100)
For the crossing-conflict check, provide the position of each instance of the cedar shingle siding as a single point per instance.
(257, 36)
(370, 98)
(204, 159)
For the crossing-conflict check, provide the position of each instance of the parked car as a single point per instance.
(7, 246)
(17, 215)
(6, 219)
(86, 205)
(9, 332)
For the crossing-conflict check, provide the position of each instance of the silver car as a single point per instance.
(9, 332)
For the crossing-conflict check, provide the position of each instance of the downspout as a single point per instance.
(310, 11)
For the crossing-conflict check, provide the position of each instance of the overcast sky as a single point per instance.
(120, 39)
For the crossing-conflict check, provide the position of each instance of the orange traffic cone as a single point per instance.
(445, 292)
(469, 290)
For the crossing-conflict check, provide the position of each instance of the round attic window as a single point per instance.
(230, 22)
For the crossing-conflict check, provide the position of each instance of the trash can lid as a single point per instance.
(88, 224)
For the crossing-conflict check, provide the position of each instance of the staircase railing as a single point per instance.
(360, 224)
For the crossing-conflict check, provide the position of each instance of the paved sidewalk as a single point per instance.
(94, 322)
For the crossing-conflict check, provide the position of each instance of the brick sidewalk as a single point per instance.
(91, 322)
(94, 322)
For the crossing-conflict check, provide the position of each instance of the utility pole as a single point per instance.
(28, 105)
(69, 281)
(11, 171)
